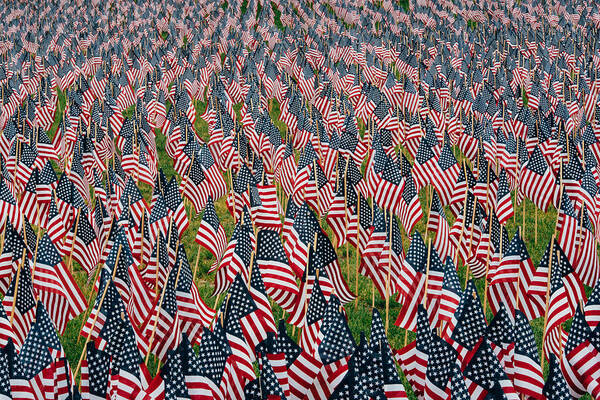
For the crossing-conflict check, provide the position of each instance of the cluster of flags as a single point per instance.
(323, 125)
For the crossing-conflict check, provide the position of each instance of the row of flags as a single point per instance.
(318, 126)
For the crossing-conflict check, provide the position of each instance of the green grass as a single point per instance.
(277, 17)
(535, 235)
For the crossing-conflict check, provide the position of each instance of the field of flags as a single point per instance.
(300, 200)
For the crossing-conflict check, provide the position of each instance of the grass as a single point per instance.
(536, 235)
(277, 17)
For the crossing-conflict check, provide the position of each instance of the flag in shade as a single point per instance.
(413, 359)
(467, 327)
(528, 377)
(440, 364)
(484, 374)
(34, 369)
(581, 366)
(20, 310)
(337, 339)
(95, 372)
(556, 386)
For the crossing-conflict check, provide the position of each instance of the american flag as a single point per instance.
(211, 234)
(241, 313)
(537, 180)
(391, 190)
(12, 252)
(440, 365)
(207, 369)
(8, 205)
(501, 335)
(528, 377)
(128, 279)
(6, 333)
(504, 206)
(484, 374)
(337, 341)
(301, 236)
(439, 224)
(409, 208)
(268, 383)
(592, 308)
(236, 258)
(586, 265)
(336, 351)
(85, 243)
(95, 372)
(556, 386)
(162, 328)
(580, 365)
(302, 367)
(564, 289)
(451, 292)
(20, 310)
(174, 372)
(467, 326)
(127, 364)
(278, 276)
(55, 285)
(458, 388)
(449, 170)
(159, 217)
(35, 365)
(511, 281)
(313, 314)
(193, 312)
(426, 168)
(413, 358)
(175, 205)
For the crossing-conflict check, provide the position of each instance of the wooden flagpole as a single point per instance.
(518, 176)
(35, 255)
(158, 262)
(306, 282)
(346, 215)
(547, 297)
(87, 340)
(427, 272)
(74, 240)
(16, 293)
(470, 237)
(464, 216)
(518, 290)
(162, 297)
(388, 277)
(430, 202)
(252, 256)
(560, 194)
(92, 292)
(196, 265)
(317, 188)
(142, 237)
(357, 250)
